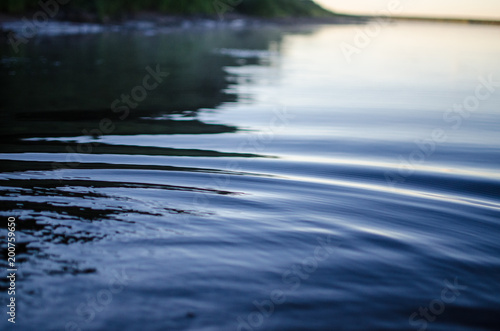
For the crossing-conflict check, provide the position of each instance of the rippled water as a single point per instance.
(269, 182)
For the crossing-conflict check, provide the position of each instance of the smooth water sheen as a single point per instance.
(267, 183)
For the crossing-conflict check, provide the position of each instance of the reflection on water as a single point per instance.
(265, 183)
(83, 75)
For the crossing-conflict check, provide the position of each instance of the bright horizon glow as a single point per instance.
(472, 9)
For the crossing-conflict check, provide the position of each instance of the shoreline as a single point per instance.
(154, 22)
(163, 19)
(440, 20)
(172, 19)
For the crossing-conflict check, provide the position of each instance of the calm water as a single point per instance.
(266, 183)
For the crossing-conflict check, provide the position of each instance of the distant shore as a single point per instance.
(444, 20)
(85, 22)
(163, 19)
(172, 19)
(152, 22)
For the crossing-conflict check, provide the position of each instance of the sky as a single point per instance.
(485, 9)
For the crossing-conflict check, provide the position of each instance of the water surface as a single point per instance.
(267, 183)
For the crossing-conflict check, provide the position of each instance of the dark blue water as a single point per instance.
(268, 182)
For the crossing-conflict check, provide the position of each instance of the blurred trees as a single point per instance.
(267, 8)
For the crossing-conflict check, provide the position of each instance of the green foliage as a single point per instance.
(282, 8)
(266, 8)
